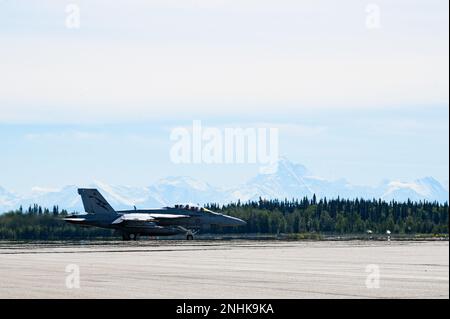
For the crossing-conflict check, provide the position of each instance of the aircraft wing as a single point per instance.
(168, 216)
(147, 217)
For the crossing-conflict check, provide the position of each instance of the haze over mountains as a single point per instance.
(289, 181)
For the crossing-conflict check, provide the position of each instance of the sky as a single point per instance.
(357, 89)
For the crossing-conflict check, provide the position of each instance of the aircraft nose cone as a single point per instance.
(237, 222)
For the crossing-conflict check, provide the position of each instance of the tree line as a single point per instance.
(339, 216)
(334, 216)
(37, 223)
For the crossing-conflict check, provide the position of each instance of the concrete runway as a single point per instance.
(225, 269)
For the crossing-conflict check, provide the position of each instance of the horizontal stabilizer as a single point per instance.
(74, 220)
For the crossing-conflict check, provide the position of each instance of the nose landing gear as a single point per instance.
(189, 233)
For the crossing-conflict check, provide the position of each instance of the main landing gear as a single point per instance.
(128, 237)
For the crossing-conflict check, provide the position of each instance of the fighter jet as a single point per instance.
(166, 221)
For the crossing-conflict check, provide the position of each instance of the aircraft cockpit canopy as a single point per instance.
(190, 207)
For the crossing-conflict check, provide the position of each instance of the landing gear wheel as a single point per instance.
(134, 236)
(189, 237)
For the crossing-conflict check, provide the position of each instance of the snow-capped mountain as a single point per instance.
(424, 188)
(173, 190)
(64, 197)
(293, 181)
(290, 180)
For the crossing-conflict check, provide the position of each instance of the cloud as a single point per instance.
(64, 136)
(184, 58)
(38, 189)
(291, 130)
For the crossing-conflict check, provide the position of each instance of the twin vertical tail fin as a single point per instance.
(94, 202)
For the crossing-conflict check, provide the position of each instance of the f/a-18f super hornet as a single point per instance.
(167, 221)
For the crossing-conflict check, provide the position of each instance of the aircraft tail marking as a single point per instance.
(94, 202)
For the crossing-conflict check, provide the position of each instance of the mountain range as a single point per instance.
(290, 180)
